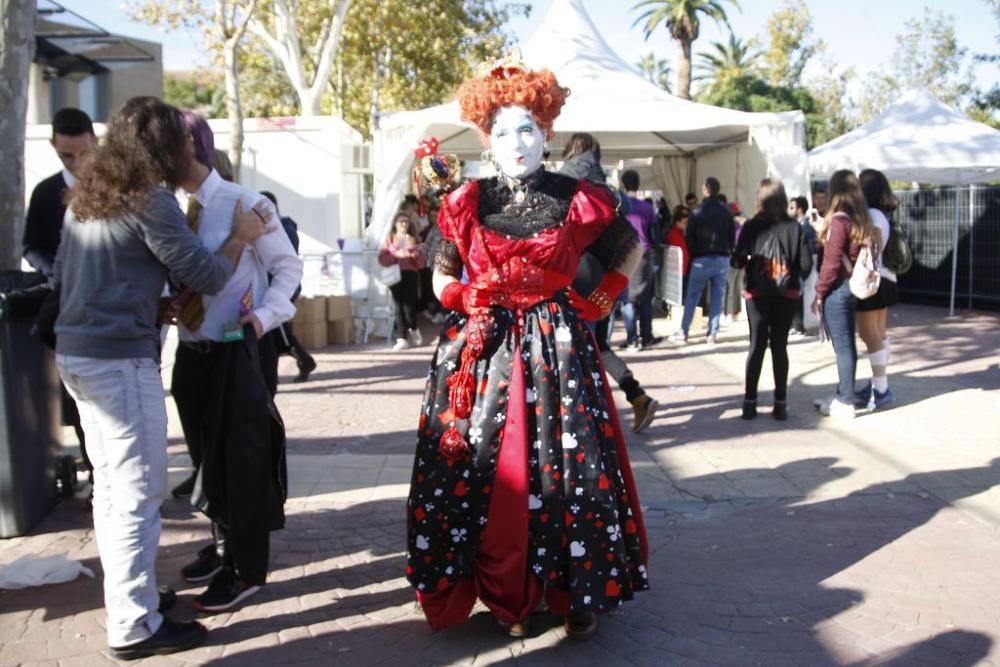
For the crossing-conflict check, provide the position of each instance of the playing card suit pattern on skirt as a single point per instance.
(586, 533)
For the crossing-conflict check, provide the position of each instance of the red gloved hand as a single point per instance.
(585, 308)
(464, 298)
(602, 299)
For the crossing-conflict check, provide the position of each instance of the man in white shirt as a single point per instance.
(215, 333)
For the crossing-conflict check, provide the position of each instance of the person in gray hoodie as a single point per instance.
(124, 234)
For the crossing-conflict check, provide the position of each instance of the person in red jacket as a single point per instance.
(676, 234)
(676, 237)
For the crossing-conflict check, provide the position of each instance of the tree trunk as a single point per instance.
(309, 101)
(17, 49)
(684, 70)
(234, 107)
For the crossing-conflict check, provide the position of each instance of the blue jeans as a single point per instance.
(712, 270)
(839, 308)
(642, 310)
(124, 418)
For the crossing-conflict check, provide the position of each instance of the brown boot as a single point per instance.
(644, 408)
(581, 624)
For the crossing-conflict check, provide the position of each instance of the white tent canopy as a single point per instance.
(918, 138)
(629, 116)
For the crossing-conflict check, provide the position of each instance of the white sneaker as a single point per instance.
(838, 409)
(818, 403)
(677, 337)
(401, 344)
(416, 337)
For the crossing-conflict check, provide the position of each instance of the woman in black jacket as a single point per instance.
(773, 249)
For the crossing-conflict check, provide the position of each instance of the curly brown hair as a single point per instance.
(537, 91)
(145, 146)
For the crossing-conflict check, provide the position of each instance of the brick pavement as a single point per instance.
(803, 543)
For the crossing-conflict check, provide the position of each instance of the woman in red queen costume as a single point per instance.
(522, 490)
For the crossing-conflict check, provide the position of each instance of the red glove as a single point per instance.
(602, 299)
(464, 298)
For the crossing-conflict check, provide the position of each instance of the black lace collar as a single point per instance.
(539, 202)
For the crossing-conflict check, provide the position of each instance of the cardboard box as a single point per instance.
(338, 308)
(340, 332)
(310, 310)
(312, 336)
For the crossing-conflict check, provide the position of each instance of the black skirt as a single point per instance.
(887, 295)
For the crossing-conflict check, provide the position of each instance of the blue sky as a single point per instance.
(857, 32)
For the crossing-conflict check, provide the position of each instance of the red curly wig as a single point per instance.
(537, 91)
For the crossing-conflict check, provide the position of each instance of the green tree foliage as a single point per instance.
(304, 38)
(727, 60)
(223, 26)
(985, 105)
(835, 112)
(682, 19)
(393, 55)
(656, 70)
(200, 90)
(927, 54)
(791, 44)
(752, 93)
(399, 54)
(790, 47)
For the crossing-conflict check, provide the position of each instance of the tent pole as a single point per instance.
(972, 216)
(954, 255)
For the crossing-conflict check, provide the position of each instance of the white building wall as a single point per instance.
(298, 159)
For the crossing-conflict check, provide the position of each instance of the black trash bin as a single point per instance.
(30, 426)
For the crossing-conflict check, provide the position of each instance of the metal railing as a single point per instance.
(929, 218)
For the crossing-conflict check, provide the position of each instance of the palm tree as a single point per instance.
(727, 60)
(683, 19)
(656, 70)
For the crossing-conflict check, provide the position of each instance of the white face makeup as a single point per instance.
(517, 142)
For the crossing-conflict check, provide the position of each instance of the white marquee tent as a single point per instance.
(631, 117)
(918, 138)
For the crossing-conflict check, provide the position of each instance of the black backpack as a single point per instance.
(770, 270)
(897, 256)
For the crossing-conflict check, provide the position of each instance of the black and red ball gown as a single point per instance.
(522, 487)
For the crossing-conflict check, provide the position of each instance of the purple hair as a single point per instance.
(204, 140)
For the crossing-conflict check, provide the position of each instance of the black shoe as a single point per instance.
(204, 567)
(305, 368)
(185, 488)
(580, 624)
(171, 637)
(780, 410)
(652, 342)
(225, 592)
(168, 598)
(749, 409)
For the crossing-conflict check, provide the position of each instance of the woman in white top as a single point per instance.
(871, 316)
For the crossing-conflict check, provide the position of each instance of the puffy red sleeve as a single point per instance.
(591, 211)
(457, 216)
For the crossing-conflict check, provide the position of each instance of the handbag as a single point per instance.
(865, 278)
(389, 275)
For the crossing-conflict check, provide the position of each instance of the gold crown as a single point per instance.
(504, 67)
